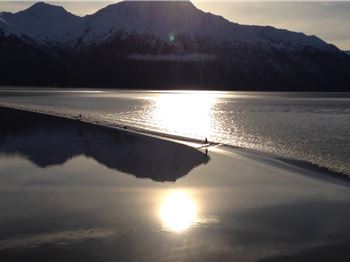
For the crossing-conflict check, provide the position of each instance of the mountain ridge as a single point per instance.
(186, 17)
(162, 44)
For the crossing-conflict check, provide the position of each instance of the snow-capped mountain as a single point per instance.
(53, 24)
(183, 18)
(146, 42)
(48, 23)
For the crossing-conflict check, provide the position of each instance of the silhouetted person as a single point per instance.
(206, 145)
(79, 116)
(125, 128)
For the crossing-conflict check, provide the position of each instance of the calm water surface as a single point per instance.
(70, 191)
(312, 127)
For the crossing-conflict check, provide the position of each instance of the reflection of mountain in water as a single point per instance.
(47, 140)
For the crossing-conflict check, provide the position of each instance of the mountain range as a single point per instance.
(162, 44)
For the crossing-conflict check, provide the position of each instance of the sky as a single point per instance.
(328, 20)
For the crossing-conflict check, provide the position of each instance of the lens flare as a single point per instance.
(172, 37)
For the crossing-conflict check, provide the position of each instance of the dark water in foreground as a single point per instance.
(76, 192)
(313, 127)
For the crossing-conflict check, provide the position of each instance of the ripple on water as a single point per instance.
(311, 128)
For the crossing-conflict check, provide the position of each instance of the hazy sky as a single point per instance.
(328, 20)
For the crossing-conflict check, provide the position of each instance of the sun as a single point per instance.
(178, 211)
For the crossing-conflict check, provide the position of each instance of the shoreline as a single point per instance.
(113, 187)
(179, 139)
(278, 161)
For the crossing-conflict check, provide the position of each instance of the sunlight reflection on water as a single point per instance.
(184, 113)
(311, 127)
(178, 211)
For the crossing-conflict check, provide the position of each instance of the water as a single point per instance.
(314, 127)
(72, 191)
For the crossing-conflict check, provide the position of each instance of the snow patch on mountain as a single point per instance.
(6, 29)
(161, 19)
(47, 23)
(154, 18)
(183, 18)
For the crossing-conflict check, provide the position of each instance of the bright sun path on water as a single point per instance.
(178, 211)
(184, 113)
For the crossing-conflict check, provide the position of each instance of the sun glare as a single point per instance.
(178, 212)
(185, 113)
